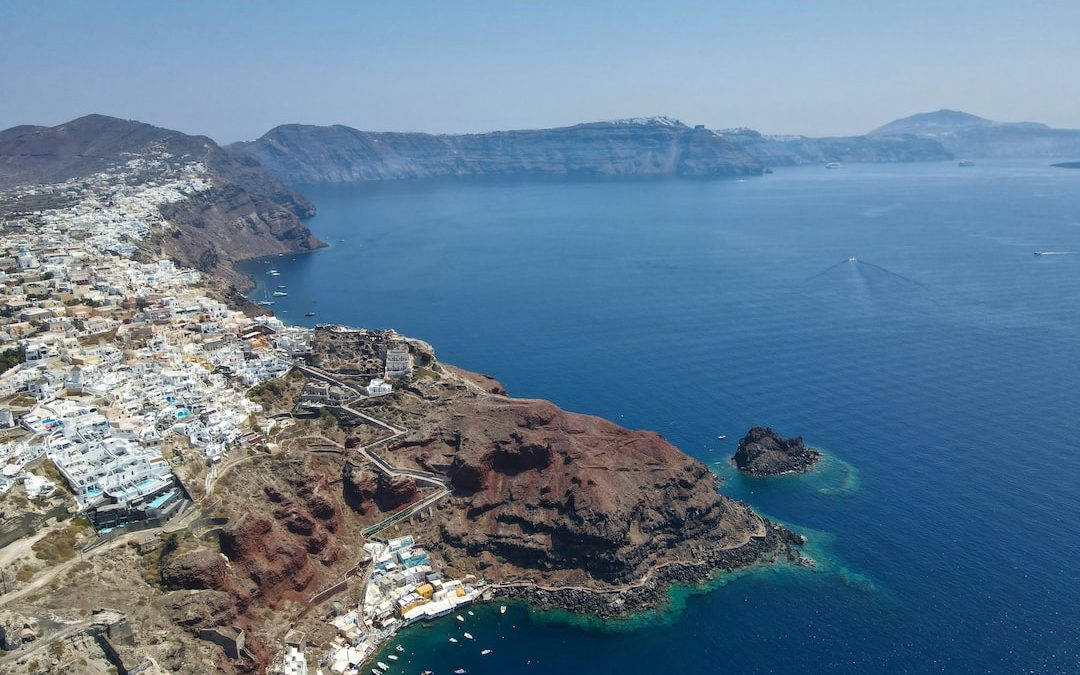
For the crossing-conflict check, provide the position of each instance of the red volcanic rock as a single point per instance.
(543, 488)
(395, 492)
(202, 569)
(364, 487)
(262, 551)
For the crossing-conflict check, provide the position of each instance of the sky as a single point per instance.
(233, 70)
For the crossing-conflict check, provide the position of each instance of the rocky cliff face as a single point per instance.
(794, 150)
(364, 488)
(762, 452)
(545, 489)
(245, 213)
(284, 538)
(646, 147)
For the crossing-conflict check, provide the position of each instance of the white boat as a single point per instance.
(278, 294)
(721, 437)
(502, 609)
(832, 165)
(965, 162)
(485, 652)
(382, 666)
(461, 671)
(469, 635)
(399, 648)
(453, 639)
(459, 617)
(266, 303)
(392, 657)
(471, 613)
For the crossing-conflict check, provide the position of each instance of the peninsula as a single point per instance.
(191, 488)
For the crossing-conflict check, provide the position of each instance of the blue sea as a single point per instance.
(893, 315)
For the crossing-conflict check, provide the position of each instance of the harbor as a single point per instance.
(401, 588)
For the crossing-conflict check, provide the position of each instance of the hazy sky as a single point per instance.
(233, 70)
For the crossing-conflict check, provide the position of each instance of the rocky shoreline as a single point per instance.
(776, 545)
(763, 452)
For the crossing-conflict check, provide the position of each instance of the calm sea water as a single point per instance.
(940, 370)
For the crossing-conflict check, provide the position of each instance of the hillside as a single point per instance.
(967, 135)
(245, 213)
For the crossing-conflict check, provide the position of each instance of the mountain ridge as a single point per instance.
(246, 212)
(964, 134)
(637, 146)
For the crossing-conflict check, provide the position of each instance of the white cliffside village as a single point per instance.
(118, 367)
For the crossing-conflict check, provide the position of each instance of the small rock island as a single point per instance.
(763, 452)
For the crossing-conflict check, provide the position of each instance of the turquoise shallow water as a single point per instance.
(940, 371)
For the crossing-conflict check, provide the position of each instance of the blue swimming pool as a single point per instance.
(161, 499)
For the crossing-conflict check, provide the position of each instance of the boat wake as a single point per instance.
(855, 261)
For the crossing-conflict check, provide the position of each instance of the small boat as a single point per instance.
(266, 303)
(832, 165)
(273, 272)
(428, 672)
(965, 162)
(453, 639)
(469, 635)
(309, 313)
(485, 652)
(382, 666)
(461, 671)
(278, 294)
(375, 672)
(721, 437)
(459, 617)
(281, 285)
(392, 657)
(471, 613)
(502, 609)
(399, 648)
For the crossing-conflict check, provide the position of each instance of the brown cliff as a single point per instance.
(245, 213)
(763, 452)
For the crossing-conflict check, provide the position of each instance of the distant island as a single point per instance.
(967, 135)
(645, 146)
(763, 452)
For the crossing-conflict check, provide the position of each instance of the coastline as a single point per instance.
(647, 592)
(775, 545)
(770, 544)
